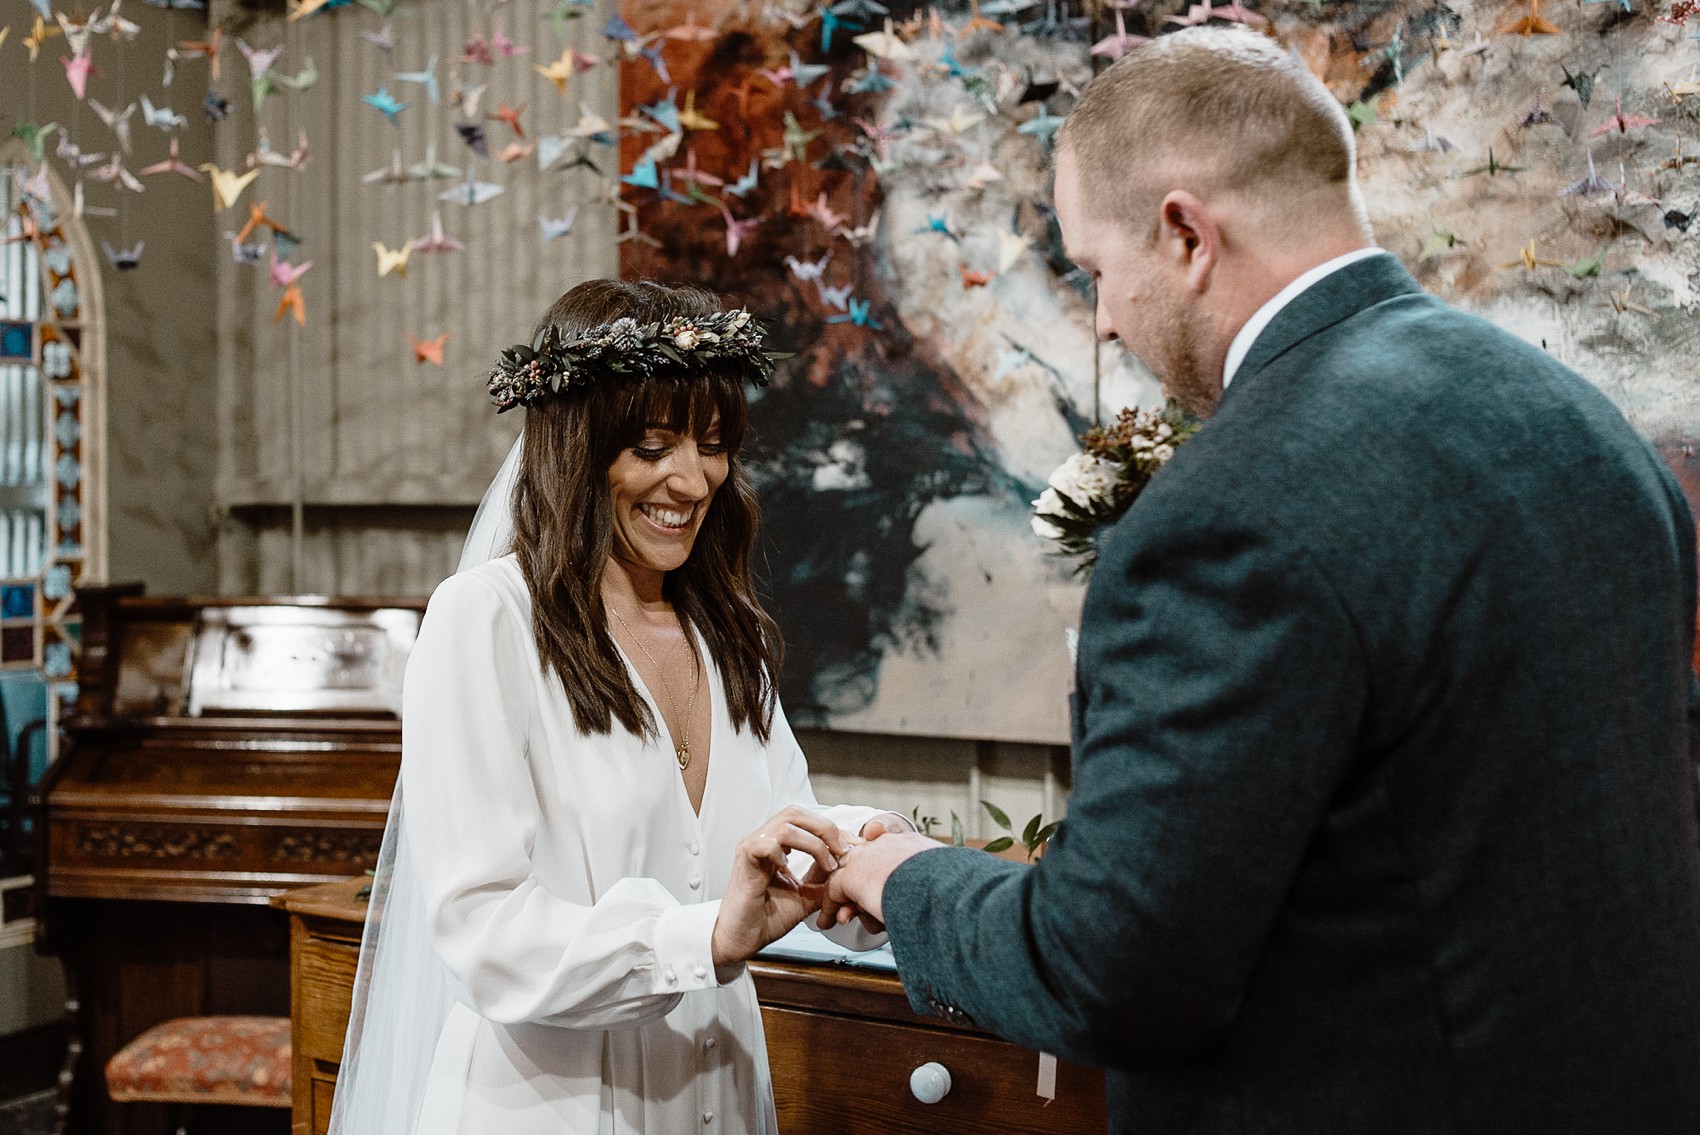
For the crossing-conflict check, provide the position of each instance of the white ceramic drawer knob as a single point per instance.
(930, 1082)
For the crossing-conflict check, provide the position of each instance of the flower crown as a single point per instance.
(553, 364)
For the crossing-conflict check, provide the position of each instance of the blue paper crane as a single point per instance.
(858, 315)
(1043, 125)
(386, 103)
(831, 21)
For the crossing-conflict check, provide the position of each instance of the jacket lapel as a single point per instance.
(1334, 298)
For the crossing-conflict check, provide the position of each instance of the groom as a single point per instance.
(1383, 816)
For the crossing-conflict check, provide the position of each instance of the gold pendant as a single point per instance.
(684, 757)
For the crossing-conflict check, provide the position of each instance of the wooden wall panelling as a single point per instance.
(373, 429)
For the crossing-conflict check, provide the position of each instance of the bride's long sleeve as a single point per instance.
(517, 951)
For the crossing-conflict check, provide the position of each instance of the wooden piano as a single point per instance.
(221, 751)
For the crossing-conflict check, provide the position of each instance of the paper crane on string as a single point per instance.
(1621, 122)
(227, 186)
(258, 216)
(385, 103)
(438, 241)
(172, 164)
(114, 173)
(284, 274)
(834, 297)
(294, 303)
(554, 228)
(428, 350)
(392, 174)
(1591, 186)
(77, 71)
(693, 119)
(1529, 25)
(427, 78)
(430, 169)
(39, 35)
(859, 315)
(1117, 45)
(559, 72)
(392, 260)
(116, 121)
(162, 117)
(736, 230)
(123, 259)
(264, 155)
(1528, 260)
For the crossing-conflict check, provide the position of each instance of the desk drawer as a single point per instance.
(836, 1075)
(324, 980)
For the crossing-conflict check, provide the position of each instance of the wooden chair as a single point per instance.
(243, 1061)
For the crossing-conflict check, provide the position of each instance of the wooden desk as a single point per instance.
(324, 947)
(842, 1043)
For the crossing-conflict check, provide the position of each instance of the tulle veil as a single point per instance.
(402, 993)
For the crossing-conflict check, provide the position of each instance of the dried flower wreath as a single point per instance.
(553, 364)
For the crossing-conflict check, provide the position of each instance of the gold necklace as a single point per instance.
(682, 753)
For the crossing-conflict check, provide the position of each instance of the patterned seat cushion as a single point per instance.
(237, 1060)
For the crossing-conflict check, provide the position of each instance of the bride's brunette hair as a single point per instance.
(563, 519)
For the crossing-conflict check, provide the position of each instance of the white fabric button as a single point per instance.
(672, 978)
(708, 1117)
(710, 1043)
(702, 971)
(695, 850)
(696, 881)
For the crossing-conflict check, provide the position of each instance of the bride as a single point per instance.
(605, 810)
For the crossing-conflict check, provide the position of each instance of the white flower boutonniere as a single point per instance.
(1095, 487)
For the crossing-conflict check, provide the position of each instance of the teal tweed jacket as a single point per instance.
(1383, 816)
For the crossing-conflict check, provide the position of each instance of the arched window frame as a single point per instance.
(68, 347)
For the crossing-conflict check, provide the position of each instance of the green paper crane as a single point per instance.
(34, 136)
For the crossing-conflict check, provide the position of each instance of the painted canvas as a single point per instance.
(874, 183)
(874, 180)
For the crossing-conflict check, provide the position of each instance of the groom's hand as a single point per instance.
(858, 886)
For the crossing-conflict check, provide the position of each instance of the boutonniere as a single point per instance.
(1093, 488)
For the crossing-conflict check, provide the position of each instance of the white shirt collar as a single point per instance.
(1241, 346)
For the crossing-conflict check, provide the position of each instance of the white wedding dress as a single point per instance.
(537, 957)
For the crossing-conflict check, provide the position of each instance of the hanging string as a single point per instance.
(123, 206)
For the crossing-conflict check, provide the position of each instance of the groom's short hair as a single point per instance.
(1212, 111)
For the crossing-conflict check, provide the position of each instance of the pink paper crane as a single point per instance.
(285, 274)
(77, 69)
(1621, 122)
(737, 230)
(1118, 45)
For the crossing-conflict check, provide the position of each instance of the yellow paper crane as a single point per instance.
(392, 260)
(1528, 260)
(306, 8)
(39, 35)
(693, 119)
(558, 72)
(1624, 301)
(1679, 90)
(227, 187)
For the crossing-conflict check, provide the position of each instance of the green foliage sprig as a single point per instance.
(1034, 836)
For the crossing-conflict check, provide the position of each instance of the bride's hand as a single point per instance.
(763, 900)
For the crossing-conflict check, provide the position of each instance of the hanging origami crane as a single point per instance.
(392, 260)
(227, 186)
